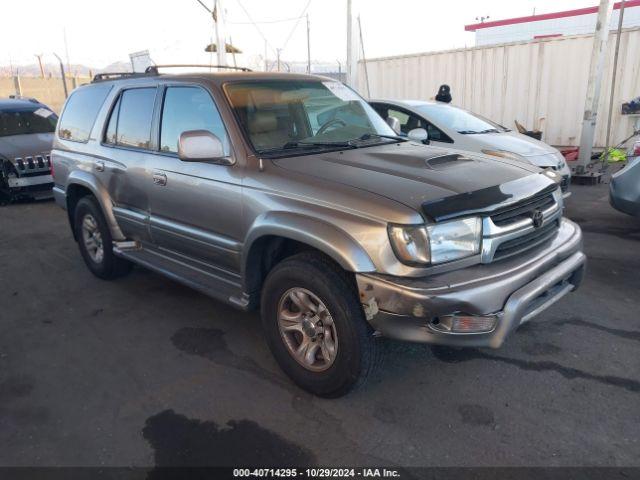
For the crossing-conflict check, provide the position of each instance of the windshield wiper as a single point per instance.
(474, 132)
(318, 144)
(293, 145)
(368, 136)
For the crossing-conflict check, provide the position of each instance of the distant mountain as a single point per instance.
(53, 69)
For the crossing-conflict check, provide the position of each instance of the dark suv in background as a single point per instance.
(26, 137)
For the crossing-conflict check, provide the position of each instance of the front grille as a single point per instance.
(522, 210)
(527, 241)
(33, 164)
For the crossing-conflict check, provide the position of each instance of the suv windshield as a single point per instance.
(22, 121)
(459, 120)
(283, 115)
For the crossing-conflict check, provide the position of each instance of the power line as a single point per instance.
(282, 20)
(304, 11)
(246, 12)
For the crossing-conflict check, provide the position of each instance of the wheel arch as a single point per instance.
(278, 235)
(80, 184)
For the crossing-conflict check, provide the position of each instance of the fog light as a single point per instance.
(461, 323)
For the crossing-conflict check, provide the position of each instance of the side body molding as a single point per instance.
(87, 180)
(317, 233)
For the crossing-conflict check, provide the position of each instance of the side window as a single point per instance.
(189, 108)
(437, 135)
(80, 112)
(111, 135)
(134, 117)
(407, 122)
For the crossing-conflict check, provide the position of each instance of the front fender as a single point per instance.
(91, 183)
(321, 235)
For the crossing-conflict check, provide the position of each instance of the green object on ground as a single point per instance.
(615, 155)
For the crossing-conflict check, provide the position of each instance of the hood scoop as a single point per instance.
(444, 162)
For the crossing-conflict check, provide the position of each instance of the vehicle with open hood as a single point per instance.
(289, 194)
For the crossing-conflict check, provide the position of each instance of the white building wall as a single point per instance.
(576, 25)
(542, 84)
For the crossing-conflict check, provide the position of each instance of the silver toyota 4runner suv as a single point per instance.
(288, 193)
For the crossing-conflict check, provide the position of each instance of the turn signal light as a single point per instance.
(462, 323)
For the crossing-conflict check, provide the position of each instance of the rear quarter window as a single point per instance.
(80, 112)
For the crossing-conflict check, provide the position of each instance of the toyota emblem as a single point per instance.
(537, 218)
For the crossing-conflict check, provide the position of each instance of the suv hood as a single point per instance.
(416, 174)
(25, 145)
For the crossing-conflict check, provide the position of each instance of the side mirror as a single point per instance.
(419, 135)
(201, 146)
(394, 123)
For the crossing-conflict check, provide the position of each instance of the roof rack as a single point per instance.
(153, 69)
(103, 77)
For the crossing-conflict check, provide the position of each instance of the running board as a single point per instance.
(215, 284)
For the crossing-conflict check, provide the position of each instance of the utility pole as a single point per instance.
(40, 63)
(349, 46)
(596, 67)
(364, 59)
(613, 78)
(64, 81)
(308, 47)
(217, 15)
(66, 50)
(220, 41)
(278, 50)
(266, 62)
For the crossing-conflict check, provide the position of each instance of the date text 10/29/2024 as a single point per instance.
(316, 473)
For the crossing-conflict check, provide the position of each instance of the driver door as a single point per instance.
(196, 207)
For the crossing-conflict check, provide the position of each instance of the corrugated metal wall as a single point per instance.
(542, 84)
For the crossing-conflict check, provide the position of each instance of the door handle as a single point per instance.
(159, 178)
(99, 164)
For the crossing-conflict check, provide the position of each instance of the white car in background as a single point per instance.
(453, 127)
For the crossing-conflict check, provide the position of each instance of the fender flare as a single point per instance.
(91, 183)
(321, 235)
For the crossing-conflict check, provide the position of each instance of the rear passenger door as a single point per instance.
(196, 207)
(127, 147)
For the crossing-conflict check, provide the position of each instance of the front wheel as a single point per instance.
(315, 326)
(94, 241)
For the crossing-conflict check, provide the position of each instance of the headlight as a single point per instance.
(561, 161)
(505, 154)
(410, 243)
(437, 243)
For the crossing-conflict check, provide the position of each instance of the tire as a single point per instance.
(356, 352)
(105, 265)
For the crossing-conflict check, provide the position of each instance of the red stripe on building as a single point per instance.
(546, 16)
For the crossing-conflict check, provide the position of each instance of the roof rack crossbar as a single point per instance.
(103, 77)
(153, 69)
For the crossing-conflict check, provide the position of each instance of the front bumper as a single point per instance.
(514, 290)
(39, 186)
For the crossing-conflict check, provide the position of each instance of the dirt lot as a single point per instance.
(143, 371)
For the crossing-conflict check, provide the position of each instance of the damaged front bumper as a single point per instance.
(502, 295)
(39, 186)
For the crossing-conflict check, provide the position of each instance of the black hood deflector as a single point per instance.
(489, 200)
